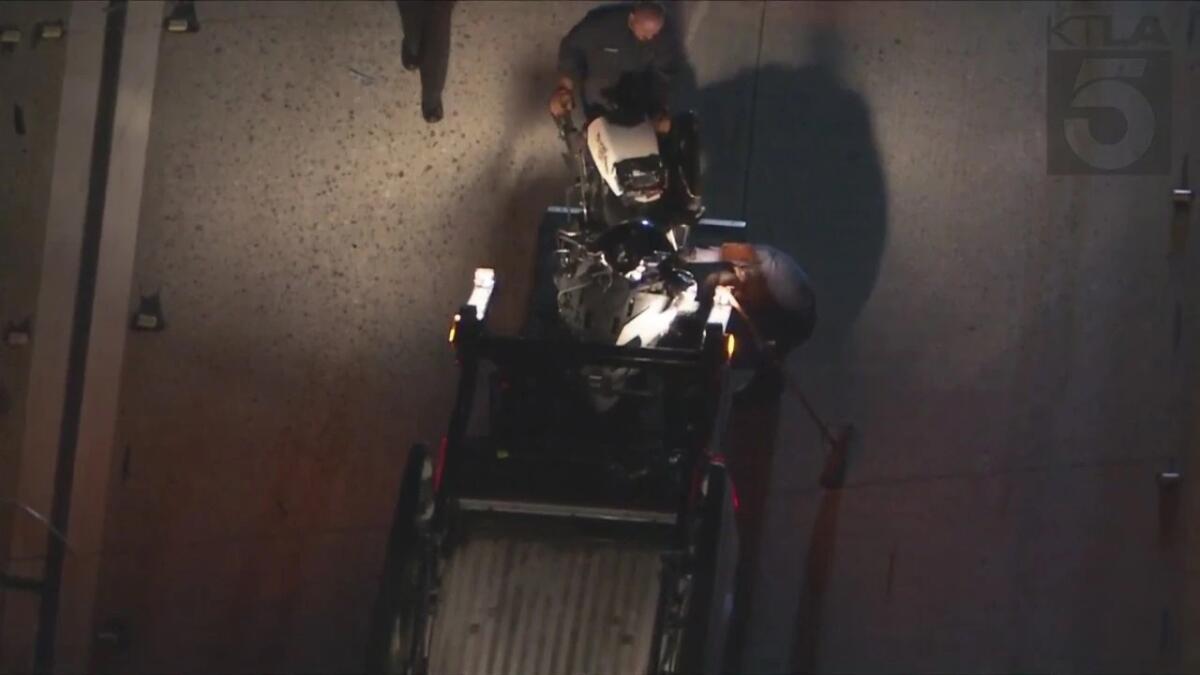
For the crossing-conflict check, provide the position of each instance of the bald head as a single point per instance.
(646, 20)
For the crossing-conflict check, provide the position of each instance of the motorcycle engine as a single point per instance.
(621, 288)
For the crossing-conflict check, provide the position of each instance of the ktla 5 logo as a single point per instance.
(1108, 97)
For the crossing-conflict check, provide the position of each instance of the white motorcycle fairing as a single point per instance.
(612, 144)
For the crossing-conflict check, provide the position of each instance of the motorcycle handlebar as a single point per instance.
(565, 124)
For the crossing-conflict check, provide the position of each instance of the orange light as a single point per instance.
(454, 328)
(730, 345)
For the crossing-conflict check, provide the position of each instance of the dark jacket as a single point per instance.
(611, 67)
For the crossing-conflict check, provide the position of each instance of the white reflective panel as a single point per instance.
(649, 326)
(720, 222)
(481, 294)
(722, 306)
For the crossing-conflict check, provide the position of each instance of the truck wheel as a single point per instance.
(397, 622)
(707, 626)
(693, 617)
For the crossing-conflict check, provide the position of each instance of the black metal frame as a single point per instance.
(474, 344)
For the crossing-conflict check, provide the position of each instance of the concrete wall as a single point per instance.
(1004, 341)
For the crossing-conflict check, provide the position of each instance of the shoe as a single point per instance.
(411, 61)
(432, 113)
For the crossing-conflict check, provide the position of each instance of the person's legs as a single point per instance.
(769, 379)
(412, 22)
(765, 387)
(541, 320)
(435, 58)
(680, 156)
(685, 155)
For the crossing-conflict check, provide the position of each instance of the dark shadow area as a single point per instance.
(807, 178)
(815, 186)
(750, 466)
(426, 45)
(818, 566)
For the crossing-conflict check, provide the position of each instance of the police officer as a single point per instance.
(777, 307)
(621, 60)
(617, 54)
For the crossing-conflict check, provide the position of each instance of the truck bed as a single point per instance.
(528, 595)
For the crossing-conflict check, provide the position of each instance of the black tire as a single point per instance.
(691, 633)
(697, 642)
(399, 614)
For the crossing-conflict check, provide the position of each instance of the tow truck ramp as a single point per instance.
(538, 598)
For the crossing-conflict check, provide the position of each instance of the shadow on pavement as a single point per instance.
(811, 184)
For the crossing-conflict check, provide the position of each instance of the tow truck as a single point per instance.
(578, 516)
(546, 535)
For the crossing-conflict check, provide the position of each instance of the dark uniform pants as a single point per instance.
(426, 25)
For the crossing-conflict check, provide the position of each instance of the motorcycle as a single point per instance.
(616, 274)
(625, 170)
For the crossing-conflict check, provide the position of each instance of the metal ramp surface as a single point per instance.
(526, 604)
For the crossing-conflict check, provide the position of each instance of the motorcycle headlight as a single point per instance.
(641, 178)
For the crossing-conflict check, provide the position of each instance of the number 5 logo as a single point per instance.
(1105, 84)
